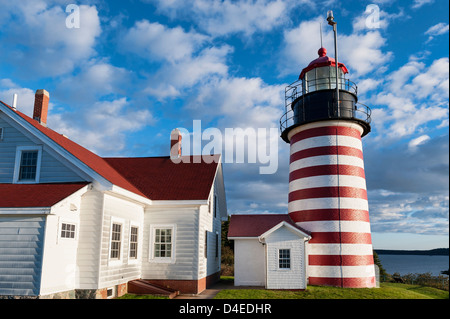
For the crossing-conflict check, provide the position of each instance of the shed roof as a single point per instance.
(36, 195)
(255, 225)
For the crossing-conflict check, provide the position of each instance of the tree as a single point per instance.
(225, 241)
(376, 261)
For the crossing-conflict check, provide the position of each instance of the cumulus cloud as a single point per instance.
(186, 58)
(222, 18)
(103, 127)
(40, 42)
(155, 41)
(25, 96)
(361, 52)
(97, 78)
(437, 29)
(419, 3)
(415, 95)
(172, 78)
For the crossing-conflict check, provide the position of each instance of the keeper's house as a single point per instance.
(77, 225)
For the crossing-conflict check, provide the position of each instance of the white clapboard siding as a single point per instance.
(21, 248)
(293, 278)
(89, 239)
(185, 265)
(210, 226)
(126, 213)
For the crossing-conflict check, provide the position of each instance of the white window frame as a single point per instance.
(290, 259)
(216, 206)
(151, 255)
(19, 151)
(68, 223)
(139, 241)
(114, 261)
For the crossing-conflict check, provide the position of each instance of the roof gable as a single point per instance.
(292, 228)
(255, 225)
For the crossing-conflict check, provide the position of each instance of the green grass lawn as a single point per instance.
(386, 291)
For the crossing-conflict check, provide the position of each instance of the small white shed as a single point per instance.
(269, 250)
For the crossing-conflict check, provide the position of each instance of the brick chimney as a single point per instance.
(41, 99)
(175, 144)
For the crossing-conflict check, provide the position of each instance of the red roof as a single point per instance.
(322, 60)
(161, 179)
(156, 178)
(257, 224)
(36, 195)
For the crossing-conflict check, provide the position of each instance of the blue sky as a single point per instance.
(134, 70)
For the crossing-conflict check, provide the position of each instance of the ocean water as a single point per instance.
(414, 264)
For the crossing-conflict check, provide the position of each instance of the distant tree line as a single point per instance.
(431, 252)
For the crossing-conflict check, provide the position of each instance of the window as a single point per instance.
(206, 244)
(215, 206)
(1, 133)
(27, 165)
(284, 258)
(116, 241)
(210, 204)
(217, 245)
(110, 292)
(133, 242)
(67, 230)
(163, 243)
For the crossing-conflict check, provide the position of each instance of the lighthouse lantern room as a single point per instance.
(323, 123)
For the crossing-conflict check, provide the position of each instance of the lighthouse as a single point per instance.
(324, 123)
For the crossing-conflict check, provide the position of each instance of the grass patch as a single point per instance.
(386, 291)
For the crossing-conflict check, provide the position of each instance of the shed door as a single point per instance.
(21, 249)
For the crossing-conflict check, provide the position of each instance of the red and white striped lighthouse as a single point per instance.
(324, 124)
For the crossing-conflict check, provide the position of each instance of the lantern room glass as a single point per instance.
(322, 78)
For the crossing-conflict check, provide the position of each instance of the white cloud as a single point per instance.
(240, 102)
(418, 141)
(437, 29)
(155, 41)
(25, 96)
(360, 52)
(40, 42)
(172, 78)
(376, 19)
(414, 96)
(103, 126)
(97, 78)
(220, 18)
(186, 58)
(419, 3)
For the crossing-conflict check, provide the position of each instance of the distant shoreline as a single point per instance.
(431, 252)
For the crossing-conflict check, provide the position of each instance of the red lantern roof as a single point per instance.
(322, 60)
